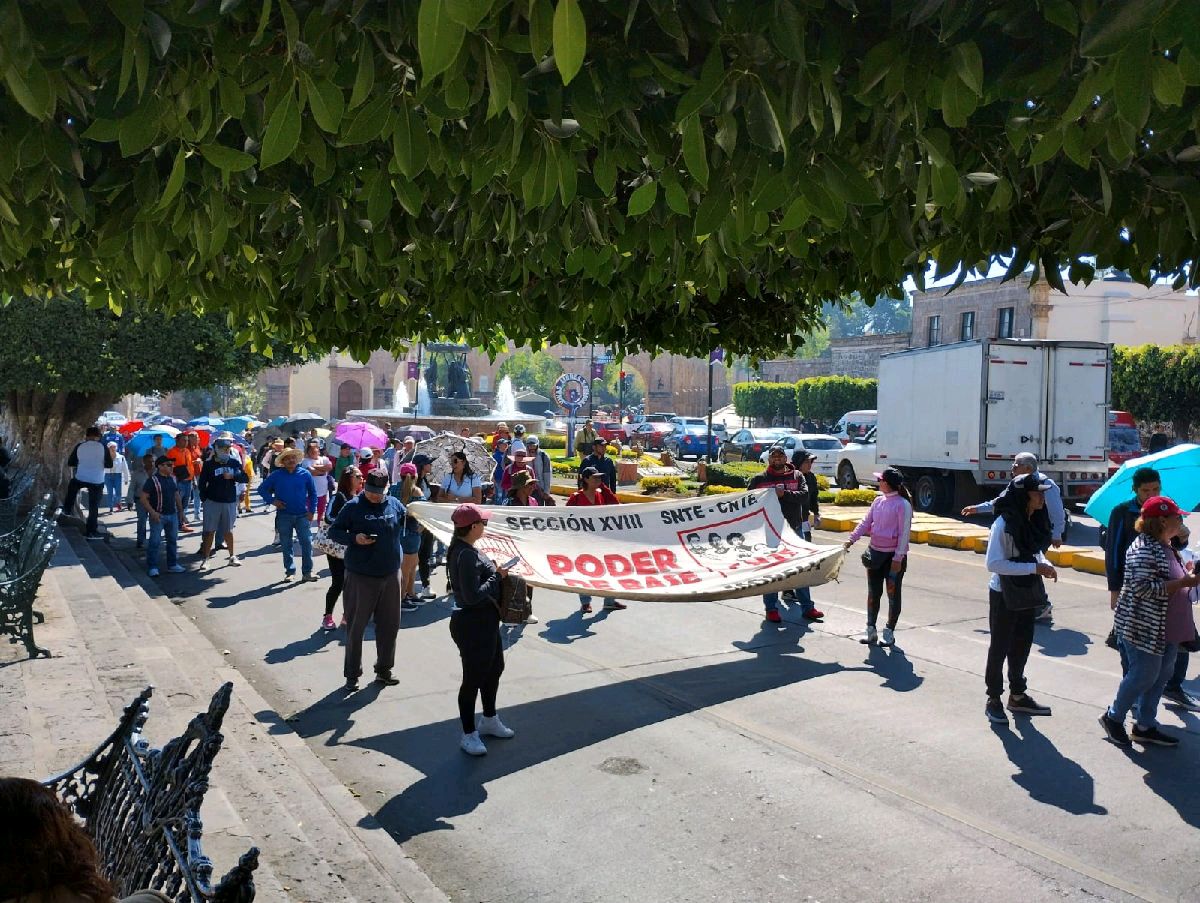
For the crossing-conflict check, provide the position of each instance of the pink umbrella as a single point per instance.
(358, 434)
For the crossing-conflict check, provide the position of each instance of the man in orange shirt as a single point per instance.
(182, 461)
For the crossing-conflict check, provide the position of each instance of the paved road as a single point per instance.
(688, 752)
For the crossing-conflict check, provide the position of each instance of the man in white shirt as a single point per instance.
(88, 461)
(320, 467)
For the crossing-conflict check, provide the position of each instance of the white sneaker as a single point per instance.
(177, 569)
(472, 745)
(492, 727)
(532, 619)
(870, 637)
(889, 637)
(153, 572)
(234, 562)
(204, 563)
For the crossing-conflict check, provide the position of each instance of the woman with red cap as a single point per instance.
(1154, 615)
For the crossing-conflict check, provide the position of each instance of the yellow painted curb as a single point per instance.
(963, 538)
(1090, 562)
(1064, 556)
(839, 523)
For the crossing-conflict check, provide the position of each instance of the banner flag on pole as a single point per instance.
(412, 370)
(597, 370)
(715, 547)
(716, 356)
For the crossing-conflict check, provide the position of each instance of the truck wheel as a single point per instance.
(846, 478)
(929, 493)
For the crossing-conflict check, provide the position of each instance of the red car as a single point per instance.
(610, 431)
(651, 435)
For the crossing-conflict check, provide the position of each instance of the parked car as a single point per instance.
(651, 435)
(748, 444)
(857, 463)
(827, 449)
(610, 431)
(686, 441)
(854, 425)
(112, 418)
(719, 429)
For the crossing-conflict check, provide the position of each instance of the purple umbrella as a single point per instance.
(358, 434)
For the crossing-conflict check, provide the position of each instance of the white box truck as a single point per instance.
(953, 416)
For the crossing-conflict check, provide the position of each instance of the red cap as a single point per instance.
(1160, 506)
(467, 514)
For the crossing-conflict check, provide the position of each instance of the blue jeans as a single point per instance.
(286, 524)
(801, 595)
(195, 501)
(169, 524)
(1143, 684)
(143, 519)
(1181, 668)
(187, 489)
(112, 490)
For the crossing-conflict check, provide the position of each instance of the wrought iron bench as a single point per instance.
(20, 576)
(142, 807)
(21, 483)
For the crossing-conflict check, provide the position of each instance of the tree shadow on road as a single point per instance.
(455, 784)
(890, 663)
(314, 642)
(257, 593)
(1046, 774)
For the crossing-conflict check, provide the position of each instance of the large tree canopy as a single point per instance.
(636, 172)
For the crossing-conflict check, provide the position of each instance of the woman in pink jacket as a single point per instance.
(887, 523)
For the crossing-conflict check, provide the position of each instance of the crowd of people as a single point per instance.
(354, 507)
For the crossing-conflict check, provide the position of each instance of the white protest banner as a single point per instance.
(714, 547)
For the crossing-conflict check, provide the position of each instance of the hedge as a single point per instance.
(651, 485)
(829, 397)
(764, 400)
(736, 475)
(854, 497)
(713, 489)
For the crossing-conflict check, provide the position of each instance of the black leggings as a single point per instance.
(477, 635)
(337, 574)
(880, 580)
(424, 554)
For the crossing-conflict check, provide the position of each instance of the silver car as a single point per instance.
(824, 446)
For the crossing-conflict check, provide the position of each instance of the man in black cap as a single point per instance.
(604, 465)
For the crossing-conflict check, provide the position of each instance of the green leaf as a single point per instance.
(968, 63)
(326, 102)
(788, 30)
(714, 210)
(379, 198)
(371, 121)
(6, 212)
(499, 83)
(249, 253)
(30, 87)
(1132, 82)
(1168, 82)
(677, 198)
(264, 17)
(226, 159)
(695, 156)
(283, 131)
(762, 122)
(712, 76)
(849, 184)
(798, 213)
(160, 34)
(439, 38)
(174, 180)
(541, 28)
(643, 198)
(1115, 24)
(231, 98)
(468, 13)
(1061, 13)
(958, 101)
(1105, 187)
(410, 141)
(1048, 145)
(364, 78)
(291, 25)
(128, 12)
(568, 176)
(570, 39)
(1001, 196)
(138, 130)
(604, 171)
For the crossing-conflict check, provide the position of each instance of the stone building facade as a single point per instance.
(857, 356)
(986, 309)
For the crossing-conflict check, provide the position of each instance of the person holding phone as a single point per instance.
(475, 628)
(371, 527)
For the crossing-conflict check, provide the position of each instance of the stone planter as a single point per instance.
(627, 472)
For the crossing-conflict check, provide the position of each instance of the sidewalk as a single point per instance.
(111, 632)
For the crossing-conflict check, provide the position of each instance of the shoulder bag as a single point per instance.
(1023, 592)
(514, 606)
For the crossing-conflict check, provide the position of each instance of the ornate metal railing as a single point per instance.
(24, 555)
(142, 807)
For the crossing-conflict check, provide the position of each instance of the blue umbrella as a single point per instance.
(143, 439)
(1179, 468)
(238, 424)
(276, 421)
(206, 421)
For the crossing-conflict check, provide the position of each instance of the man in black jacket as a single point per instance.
(602, 462)
(218, 485)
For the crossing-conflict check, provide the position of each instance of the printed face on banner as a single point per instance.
(728, 547)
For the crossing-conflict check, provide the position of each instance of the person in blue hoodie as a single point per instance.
(290, 488)
(372, 528)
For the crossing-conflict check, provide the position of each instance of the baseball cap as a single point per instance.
(1160, 506)
(1031, 482)
(531, 440)
(467, 514)
(408, 469)
(589, 472)
(420, 461)
(599, 441)
(161, 460)
(805, 455)
(892, 476)
(377, 481)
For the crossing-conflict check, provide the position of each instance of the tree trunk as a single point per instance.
(43, 427)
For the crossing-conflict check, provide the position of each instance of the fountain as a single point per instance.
(506, 399)
(424, 402)
(400, 400)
